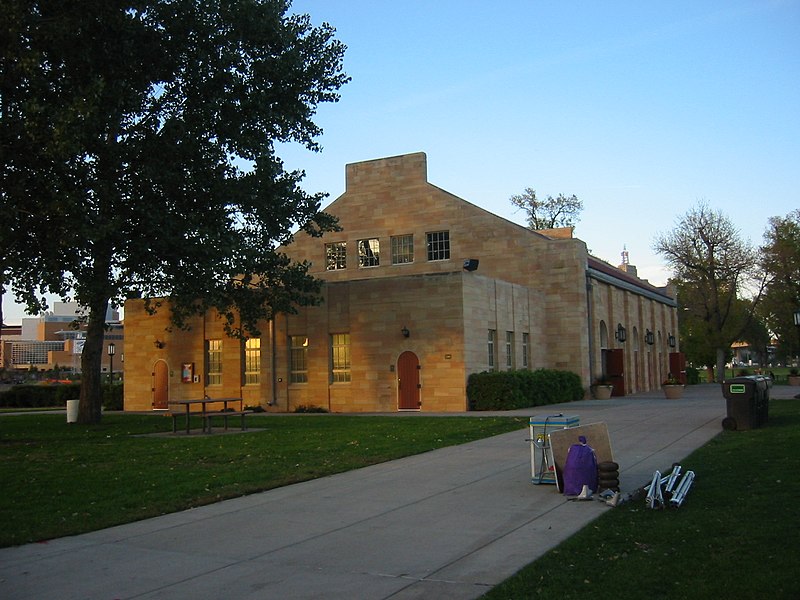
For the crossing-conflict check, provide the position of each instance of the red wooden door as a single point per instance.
(677, 366)
(615, 370)
(408, 385)
(160, 385)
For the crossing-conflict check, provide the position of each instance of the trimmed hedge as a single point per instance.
(49, 395)
(507, 390)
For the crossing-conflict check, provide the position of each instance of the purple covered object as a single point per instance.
(580, 468)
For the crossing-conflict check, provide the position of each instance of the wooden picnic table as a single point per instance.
(206, 414)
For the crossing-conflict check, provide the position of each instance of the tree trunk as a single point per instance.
(91, 403)
(720, 371)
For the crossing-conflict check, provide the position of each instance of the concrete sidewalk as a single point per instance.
(451, 523)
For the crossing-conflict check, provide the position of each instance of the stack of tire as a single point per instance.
(608, 476)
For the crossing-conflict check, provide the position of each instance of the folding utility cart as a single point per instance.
(543, 469)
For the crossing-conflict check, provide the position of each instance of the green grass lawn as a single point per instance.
(59, 479)
(735, 536)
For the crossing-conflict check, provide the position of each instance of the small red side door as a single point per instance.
(408, 385)
(615, 369)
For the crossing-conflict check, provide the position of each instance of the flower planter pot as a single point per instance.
(602, 392)
(794, 379)
(672, 392)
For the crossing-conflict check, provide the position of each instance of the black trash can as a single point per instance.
(747, 401)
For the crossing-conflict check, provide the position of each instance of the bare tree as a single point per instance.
(717, 268)
(561, 211)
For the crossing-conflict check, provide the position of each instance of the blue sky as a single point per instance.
(641, 109)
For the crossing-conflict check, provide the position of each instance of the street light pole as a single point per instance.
(111, 350)
(797, 324)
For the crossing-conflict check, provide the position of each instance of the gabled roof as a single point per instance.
(603, 271)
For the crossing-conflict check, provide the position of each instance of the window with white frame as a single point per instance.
(369, 253)
(509, 349)
(525, 350)
(252, 361)
(490, 347)
(402, 249)
(336, 256)
(340, 357)
(438, 245)
(298, 359)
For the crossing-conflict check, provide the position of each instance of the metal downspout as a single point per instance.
(589, 291)
(273, 363)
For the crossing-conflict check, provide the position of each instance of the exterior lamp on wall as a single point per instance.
(671, 340)
(649, 338)
(405, 331)
(620, 334)
(158, 344)
(111, 351)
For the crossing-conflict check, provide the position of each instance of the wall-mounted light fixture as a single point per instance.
(671, 340)
(405, 331)
(158, 344)
(620, 334)
(649, 338)
(471, 264)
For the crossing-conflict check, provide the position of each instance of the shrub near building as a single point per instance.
(508, 390)
(56, 395)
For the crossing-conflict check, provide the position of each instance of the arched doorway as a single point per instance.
(408, 385)
(603, 335)
(160, 385)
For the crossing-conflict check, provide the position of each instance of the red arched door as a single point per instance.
(408, 385)
(614, 364)
(160, 385)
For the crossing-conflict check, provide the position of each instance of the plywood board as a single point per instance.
(596, 435)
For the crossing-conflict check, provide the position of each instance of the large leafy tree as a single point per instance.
(716, 270)
(780, 258)
(549, 212)
(699, 346)
(139, 156)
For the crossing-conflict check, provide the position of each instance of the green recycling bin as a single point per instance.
(747, 402)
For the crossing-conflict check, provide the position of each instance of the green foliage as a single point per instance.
(310, 408)
(140, 157)
(508, 390)
(780, 258)
(49, 468)
(50, 395)
(113, 396)
(712, 267)
(39, 395)
(692, 375)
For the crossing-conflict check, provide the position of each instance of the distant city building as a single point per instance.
(55, 339)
